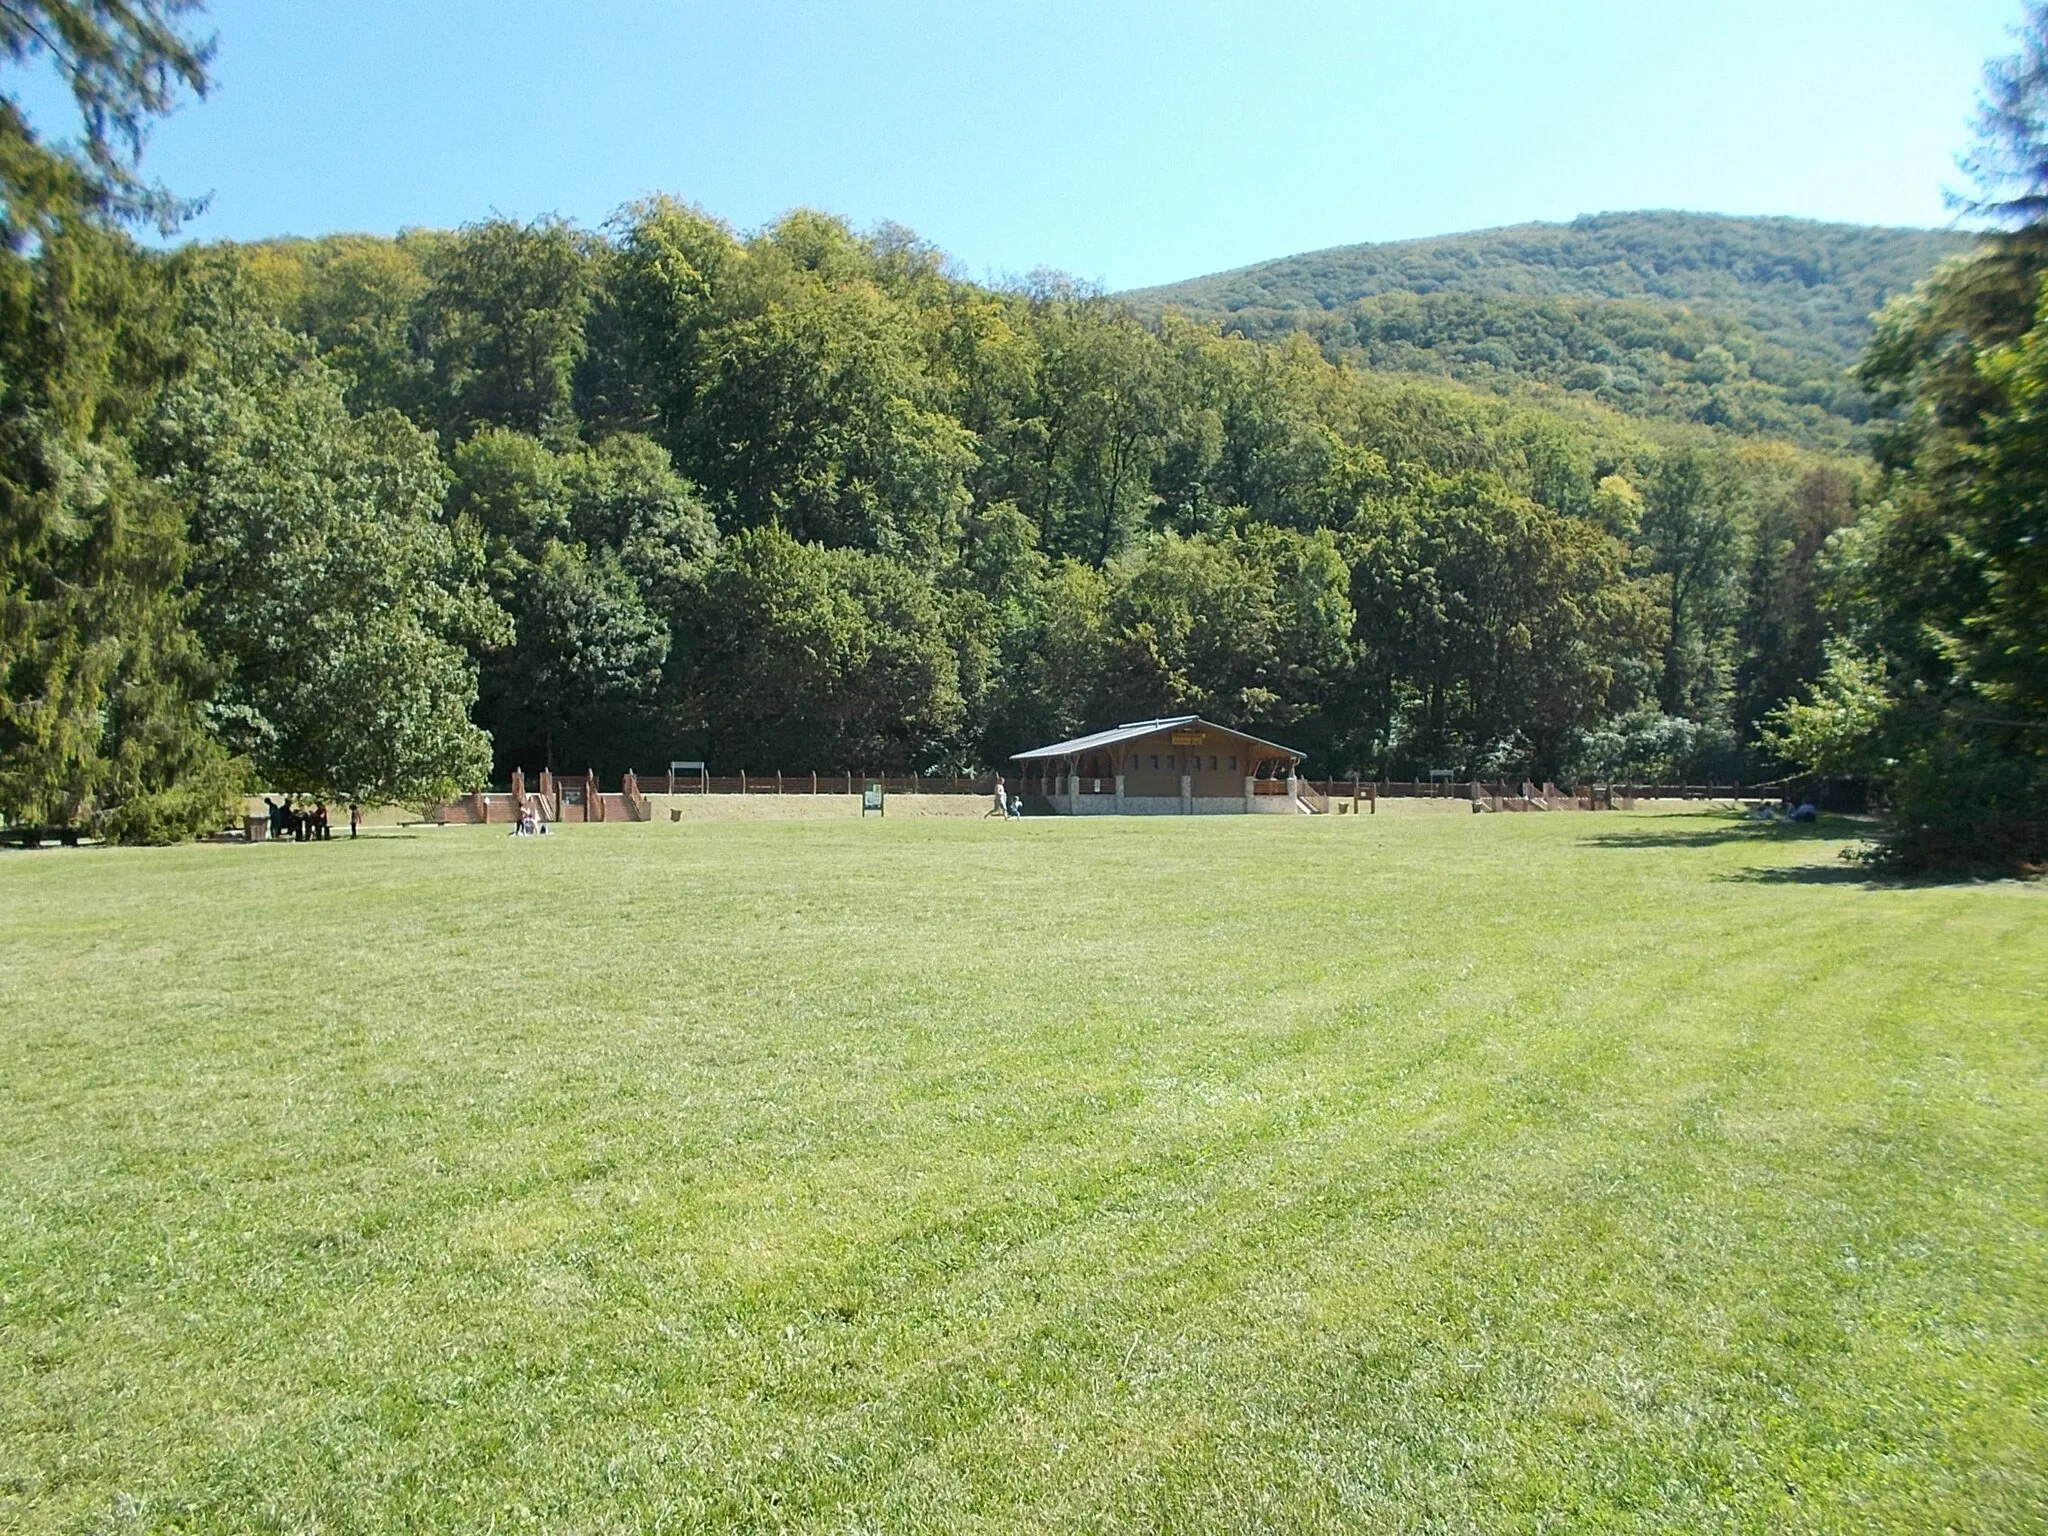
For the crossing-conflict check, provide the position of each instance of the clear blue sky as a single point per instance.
(1124, 143)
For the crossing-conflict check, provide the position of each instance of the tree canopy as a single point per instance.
(1937, 683)
(325, 582)
(125, 63)
(807, 499)
(103, 683)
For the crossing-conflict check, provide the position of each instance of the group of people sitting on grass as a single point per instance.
(1785, 810)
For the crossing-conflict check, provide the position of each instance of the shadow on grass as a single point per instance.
(1850, 872)
(1840, 873)
(380, 835)
(1723, 829)
(1713, 831)
(1720, 830)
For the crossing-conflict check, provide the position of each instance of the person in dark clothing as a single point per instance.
(321, 831)
(355, 818)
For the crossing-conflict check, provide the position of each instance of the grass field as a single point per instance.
(1403, 1173)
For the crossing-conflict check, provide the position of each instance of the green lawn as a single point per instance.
(1407, 1173)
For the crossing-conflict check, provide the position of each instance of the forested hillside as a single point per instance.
(1746, 324)
(460, 501)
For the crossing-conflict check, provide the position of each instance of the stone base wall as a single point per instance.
(1105, 805)
(1171, 805)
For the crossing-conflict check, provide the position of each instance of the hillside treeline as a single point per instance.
(1811, 286)
(1640, 359)
(383, 517)
(1752, 325)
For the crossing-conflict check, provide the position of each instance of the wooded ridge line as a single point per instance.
(1750, 323)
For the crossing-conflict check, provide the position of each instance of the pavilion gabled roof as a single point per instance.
(1137, 728)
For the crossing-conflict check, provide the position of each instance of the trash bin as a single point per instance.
(256, 828)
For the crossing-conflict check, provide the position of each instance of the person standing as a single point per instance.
(355, 818)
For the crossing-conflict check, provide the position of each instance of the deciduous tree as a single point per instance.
(324, 578)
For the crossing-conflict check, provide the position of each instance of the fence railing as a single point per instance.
(587, 800)
(1463, 790)
(840, 783)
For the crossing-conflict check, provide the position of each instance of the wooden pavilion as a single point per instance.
(1183, 765)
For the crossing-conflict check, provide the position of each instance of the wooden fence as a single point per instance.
(841, 783)
(1465, 790)
(1497, 796)
(629, 802)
